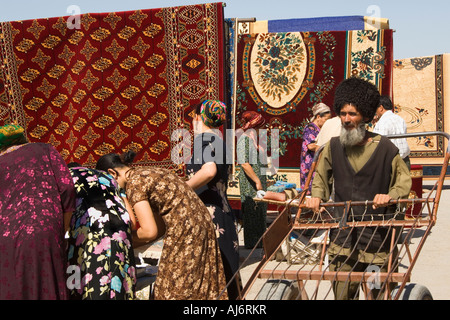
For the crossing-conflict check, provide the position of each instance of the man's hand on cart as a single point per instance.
(313, 204)
(381, 200)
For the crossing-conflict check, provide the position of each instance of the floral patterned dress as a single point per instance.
(214, 196)
(190, 267)
(100, 239)
(35, 190)
(309, 136)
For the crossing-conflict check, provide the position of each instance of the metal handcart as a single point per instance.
(302, 236)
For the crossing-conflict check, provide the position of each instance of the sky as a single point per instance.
(422, 28)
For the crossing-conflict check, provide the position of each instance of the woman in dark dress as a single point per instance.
(251, 155)
(208, 172)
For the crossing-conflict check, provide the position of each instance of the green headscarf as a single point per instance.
(11, 134)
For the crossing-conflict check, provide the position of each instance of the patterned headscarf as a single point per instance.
(252, 119)
(11, 134)
(213, 113)
(319, 109)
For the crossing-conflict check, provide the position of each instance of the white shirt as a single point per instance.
(331, 128)
(390, 124)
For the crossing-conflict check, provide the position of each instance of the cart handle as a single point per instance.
(368, 203)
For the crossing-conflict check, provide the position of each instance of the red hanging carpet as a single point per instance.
(121, 81)
(282, 75)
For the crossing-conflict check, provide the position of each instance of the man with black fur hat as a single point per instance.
(363, 166)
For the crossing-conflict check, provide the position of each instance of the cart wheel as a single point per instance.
(413, 291)
(278, 290)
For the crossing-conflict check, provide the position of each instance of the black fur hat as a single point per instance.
(359, 93)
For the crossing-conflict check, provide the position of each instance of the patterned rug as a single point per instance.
(282, 75)
(419, 98)
(113, 82)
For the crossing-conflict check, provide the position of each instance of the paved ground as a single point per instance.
(433, 263)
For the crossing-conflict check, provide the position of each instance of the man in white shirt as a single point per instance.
(390, 123)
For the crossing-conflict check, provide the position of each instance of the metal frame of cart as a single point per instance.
(304, 277)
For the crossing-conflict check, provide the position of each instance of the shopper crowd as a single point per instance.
(69, 232)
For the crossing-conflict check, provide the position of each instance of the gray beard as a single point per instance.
(352, 137)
